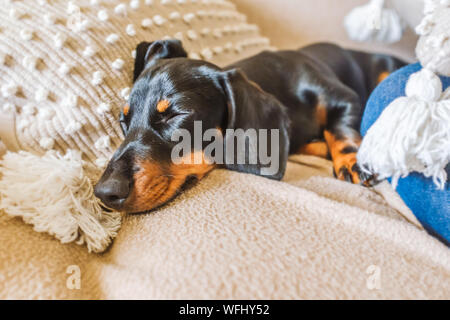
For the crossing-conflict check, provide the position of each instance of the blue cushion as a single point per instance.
(430, 206)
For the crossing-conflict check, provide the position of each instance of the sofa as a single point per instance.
(238, 236)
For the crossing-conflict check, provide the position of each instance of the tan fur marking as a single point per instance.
(383, 76)
(154, 184)
(162, 105)
(189, 167)
(321, 114)
(318, 149)
(126, 109)
(342, 160)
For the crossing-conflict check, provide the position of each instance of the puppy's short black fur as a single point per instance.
(315, 96)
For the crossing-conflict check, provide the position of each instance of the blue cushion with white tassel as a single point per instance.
(430, 205)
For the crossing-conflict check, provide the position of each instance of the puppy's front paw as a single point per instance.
(347, 169)
(343, 153)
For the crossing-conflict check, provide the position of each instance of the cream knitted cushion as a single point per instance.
(66, 66)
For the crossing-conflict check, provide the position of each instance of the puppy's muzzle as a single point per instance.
(113, 190)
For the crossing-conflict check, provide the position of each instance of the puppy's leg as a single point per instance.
(341, 122)
(318, 149)
(343, 149)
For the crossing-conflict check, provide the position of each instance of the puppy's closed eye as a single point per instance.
(174, 118)
(167, 123)
(169, 119)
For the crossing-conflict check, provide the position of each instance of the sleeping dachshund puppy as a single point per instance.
(314, 96)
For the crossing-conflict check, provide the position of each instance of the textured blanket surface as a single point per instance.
(243, 237)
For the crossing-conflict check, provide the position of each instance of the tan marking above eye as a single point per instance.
(162, 106)
(126, 109)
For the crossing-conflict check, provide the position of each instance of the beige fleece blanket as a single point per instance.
(238, 236)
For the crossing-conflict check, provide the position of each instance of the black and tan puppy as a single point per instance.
(315, 97)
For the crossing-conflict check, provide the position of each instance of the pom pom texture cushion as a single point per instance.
(66, 66)
(431, 206)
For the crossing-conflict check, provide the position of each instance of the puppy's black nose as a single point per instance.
(113, 192)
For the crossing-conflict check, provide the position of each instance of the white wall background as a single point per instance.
(294, 23)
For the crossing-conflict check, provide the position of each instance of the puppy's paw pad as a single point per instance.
(346, 169)
(367, 179)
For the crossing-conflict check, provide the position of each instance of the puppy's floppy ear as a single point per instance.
(148, 53)
(249, 107)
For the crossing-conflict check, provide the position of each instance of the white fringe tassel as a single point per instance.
(373, 22)
(412, 133)
(55, 194)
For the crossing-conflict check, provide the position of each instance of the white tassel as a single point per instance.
(412, 134)
(55, 194)
(373, 22)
